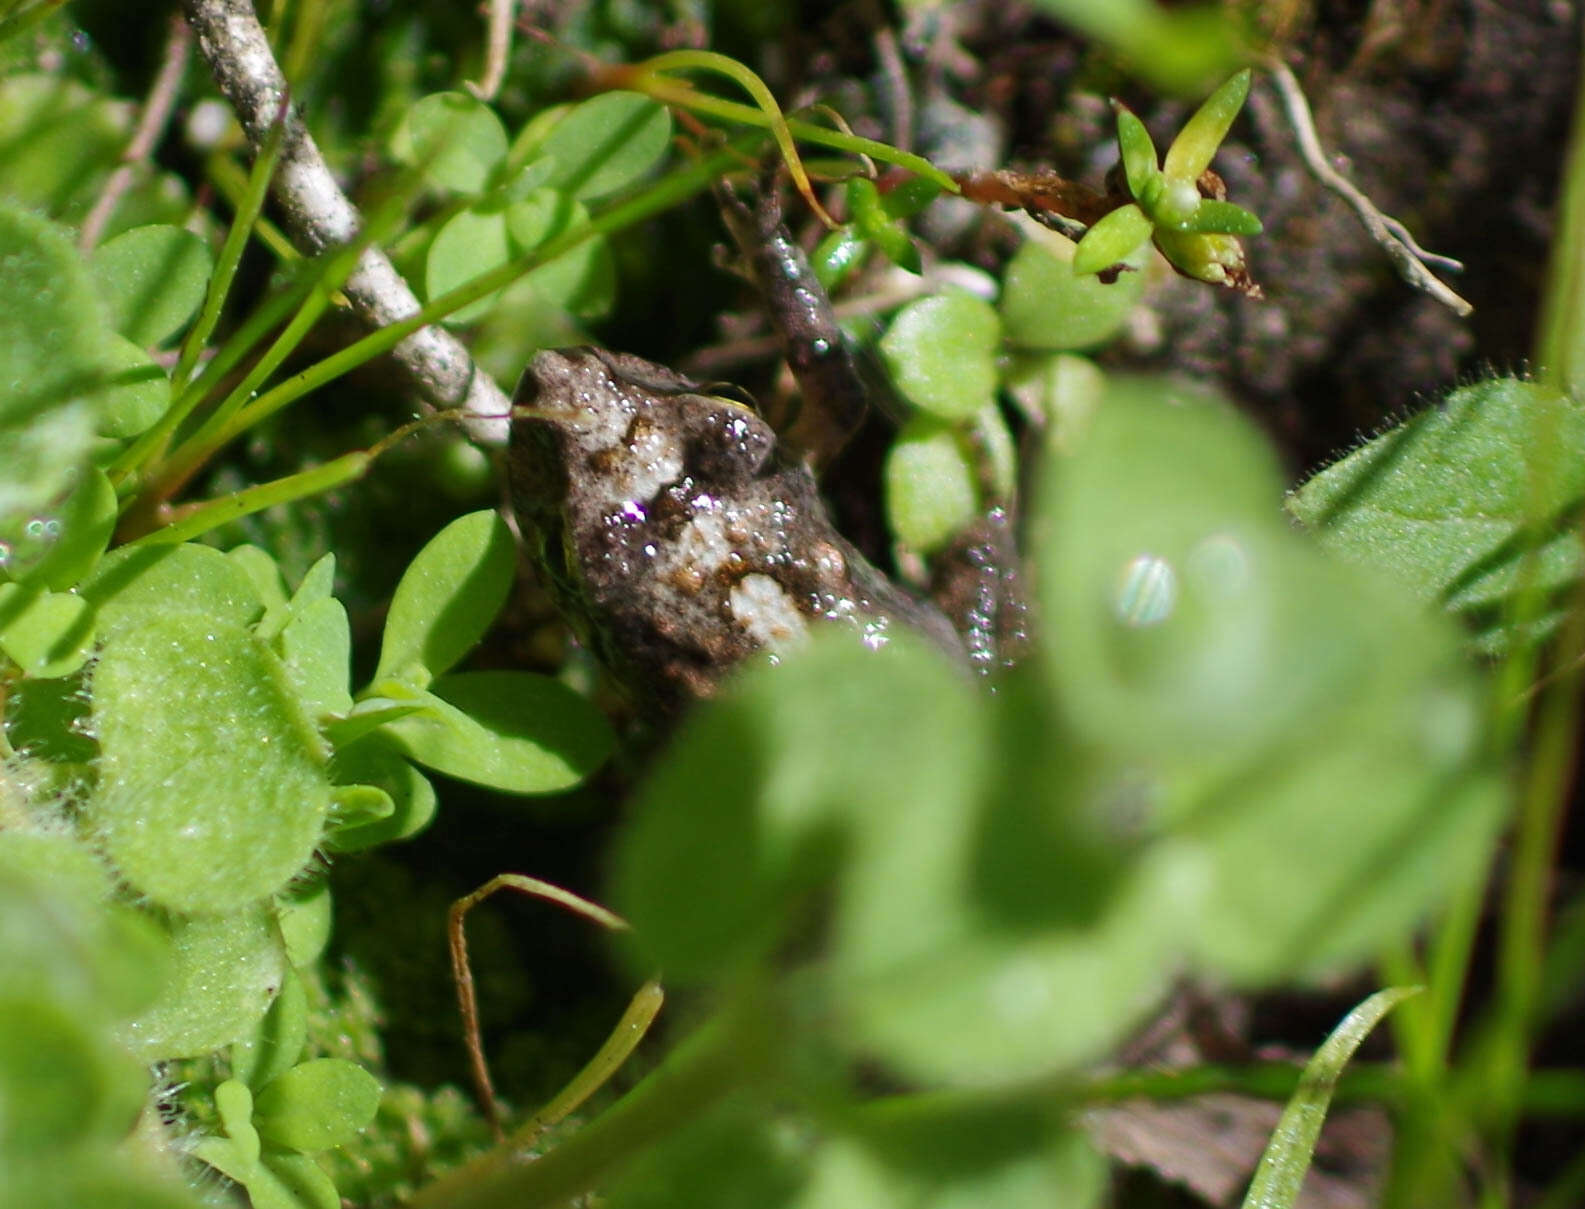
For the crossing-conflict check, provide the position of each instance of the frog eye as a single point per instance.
(727, 442)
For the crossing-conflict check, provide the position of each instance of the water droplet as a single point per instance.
(5, 554)
(1221, 566)
(1147, 592)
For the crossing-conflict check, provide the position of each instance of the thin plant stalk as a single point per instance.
(242, 220)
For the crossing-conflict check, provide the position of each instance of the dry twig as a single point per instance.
(1407, 256)
(151, 123)
(319, 215)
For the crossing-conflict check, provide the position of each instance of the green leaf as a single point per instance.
(102, 961)
(275, 1045)
(606, 143)
(1164, 514)
(1269, 701)
(1221, 218)
(49, 634)
(368, 715)
(471, 244)
(137, 584)
(316, 1105)
(940, 1153)
(874, 220)
(373, 763)
(930, 486)
(57, 1077)
(49, 355)
(302, 1179)
(59, 139)
(151, 281)
(1287, 1156)
(581, 280)
(919, 959)
(303, 913)
(456, 140)
(137, 391)
(726, 1158)
(316, 649)
(1465, 504)
(280, 609)
(265, 575)
(1192, 151)
(356, 805)
(447, 598)
(941, 353)
(1140, 165)
(58, 547)
(234, 1105)
(765, 786)
(225, 972)
(207, 753)
(1046, 305)
(55, 858)
(1114, 239)
(512, 731)
(839, 255)
(98, 1177)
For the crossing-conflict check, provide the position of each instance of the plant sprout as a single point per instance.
(1179, 204)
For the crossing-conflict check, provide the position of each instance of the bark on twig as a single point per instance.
(318, 215)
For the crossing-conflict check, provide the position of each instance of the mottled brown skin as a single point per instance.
(677, 539)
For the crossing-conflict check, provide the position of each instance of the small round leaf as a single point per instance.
(212, 785)
(471, 244)
(151, 281)
(930, 489)
(1046, 305)
(941, 352)
(316, 1105)
(138, 583)
(606, 143)
(226, 970)
(50, 335)
(136, 391)
(454, 138)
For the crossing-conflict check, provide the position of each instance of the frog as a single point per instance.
(677, 535)
(681, 533)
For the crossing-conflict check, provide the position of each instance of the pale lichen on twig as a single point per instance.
(1407, 256)
(319, 215)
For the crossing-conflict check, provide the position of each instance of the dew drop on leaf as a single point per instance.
(1147, 592)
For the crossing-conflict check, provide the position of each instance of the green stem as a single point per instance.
(722, 1058)
(243, 217)
(685, 96)
(1560, 345)
(259, 324)
(667, 193)
(213, 513)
